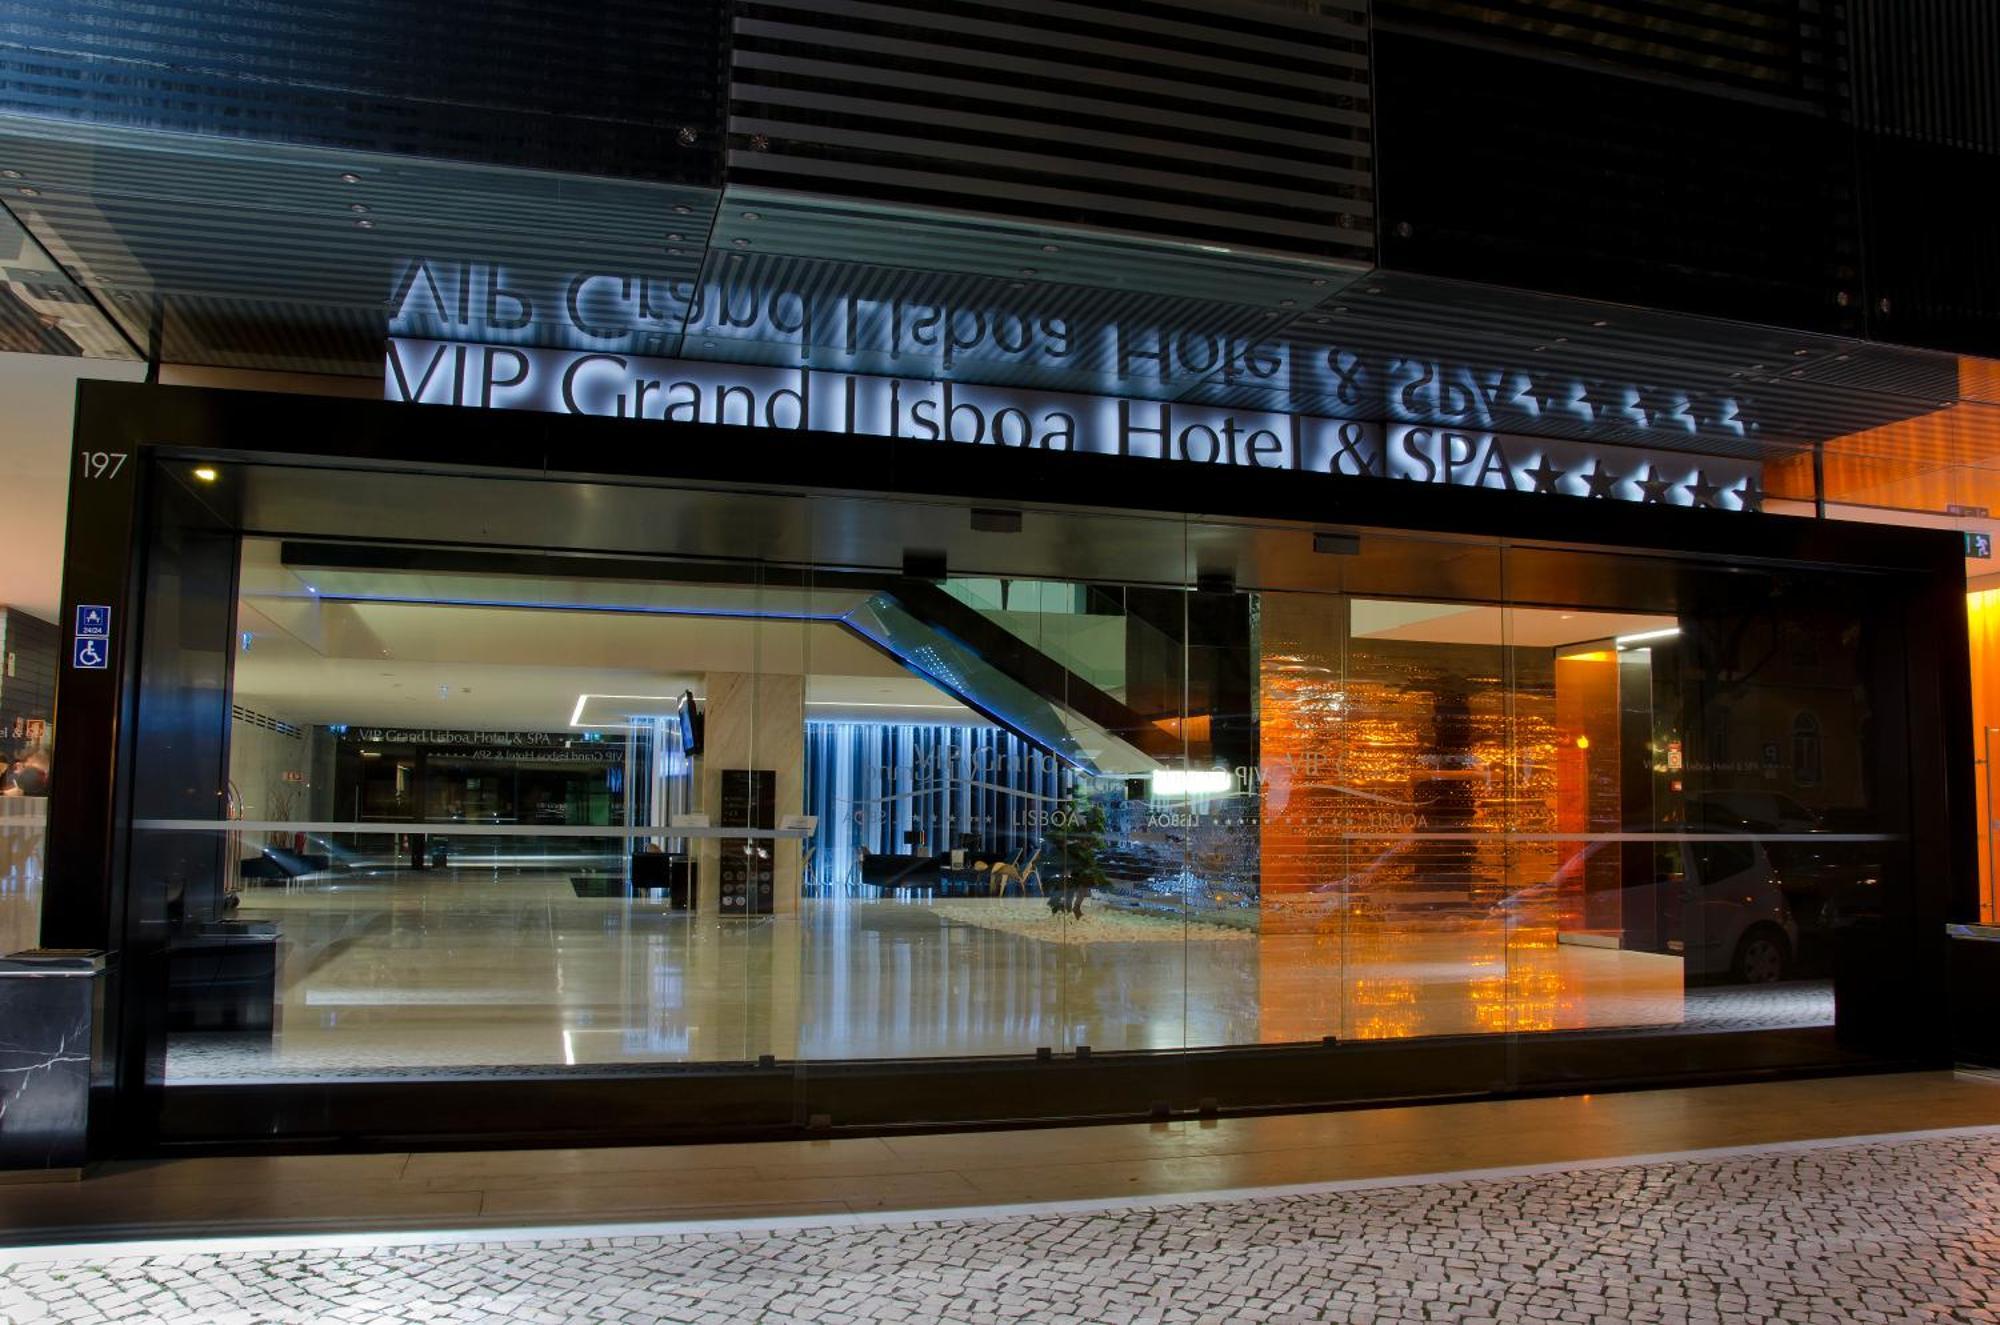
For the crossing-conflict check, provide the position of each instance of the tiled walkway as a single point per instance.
(1904, 1229)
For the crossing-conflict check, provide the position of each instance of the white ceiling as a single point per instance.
(308, 659)
(1521, 627)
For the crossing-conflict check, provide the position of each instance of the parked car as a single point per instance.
(1720, 905)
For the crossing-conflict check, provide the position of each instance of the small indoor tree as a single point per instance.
(1077, 839)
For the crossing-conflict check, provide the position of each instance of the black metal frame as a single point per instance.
(93, 901)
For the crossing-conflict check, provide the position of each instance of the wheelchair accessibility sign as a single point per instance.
(92, 654)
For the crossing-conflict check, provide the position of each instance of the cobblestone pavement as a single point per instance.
(1898, 1230)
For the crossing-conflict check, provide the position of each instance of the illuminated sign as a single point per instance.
(1061, 338)
(603, 383)
(1978, 545)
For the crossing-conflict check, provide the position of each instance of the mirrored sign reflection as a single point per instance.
(988, 331)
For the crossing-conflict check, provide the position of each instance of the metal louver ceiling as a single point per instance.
(306, 258)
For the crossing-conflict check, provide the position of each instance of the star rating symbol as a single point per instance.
(1749, 497)
(1675, 410)
(1602, 482)
(1599, 400)
(1524, 398)
(1704, 492)
(1545, 475)
(1653, 488)
(1728, 417)
(1634, 406)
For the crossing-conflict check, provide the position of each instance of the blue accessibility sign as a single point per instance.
(93, 621)
(92, 654)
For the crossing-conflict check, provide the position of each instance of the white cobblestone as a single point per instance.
(1899, 1232)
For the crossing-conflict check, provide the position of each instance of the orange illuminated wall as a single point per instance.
(1947, 457)
(1360, 744)
(1983, 623)
(1587, 789)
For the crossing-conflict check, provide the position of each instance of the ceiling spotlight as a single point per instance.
(27, 192)
(350, 179)
(205, 474)
(682, 209)
(1800, 354)
(1600, 323)
(364, 224)
(753, 216)
(10, 174)
(740, 243)
(357, 206)
(1027, 271)
(1051, 248)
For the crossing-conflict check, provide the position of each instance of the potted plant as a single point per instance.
(1077, 840)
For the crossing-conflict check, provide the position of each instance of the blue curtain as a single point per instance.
(873, 783)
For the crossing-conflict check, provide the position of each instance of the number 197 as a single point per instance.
(101, 464)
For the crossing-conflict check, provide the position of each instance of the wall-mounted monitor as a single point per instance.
(689, 720)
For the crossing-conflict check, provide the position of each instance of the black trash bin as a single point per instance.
(52, 1006)
(223, 976)
(1975, 993)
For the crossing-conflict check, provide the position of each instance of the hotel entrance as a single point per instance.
(444, 793)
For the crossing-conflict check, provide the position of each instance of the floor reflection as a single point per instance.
(437, 971)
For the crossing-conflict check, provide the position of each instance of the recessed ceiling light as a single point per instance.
(1800, 354)
(1051, 248)
(357, 206)
(1600, 323)
(1319, 280)
(364, 224)
(753, 216)
(674, 238)
(350, 178)
(740, 243)
(682, 209)
(27, 192)
(10, 174)
(205, 474)
(1027, 271)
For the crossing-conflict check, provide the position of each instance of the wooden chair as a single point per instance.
(1018, 875)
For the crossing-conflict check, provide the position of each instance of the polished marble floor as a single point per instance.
(1902, 1229)
(468, 971)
